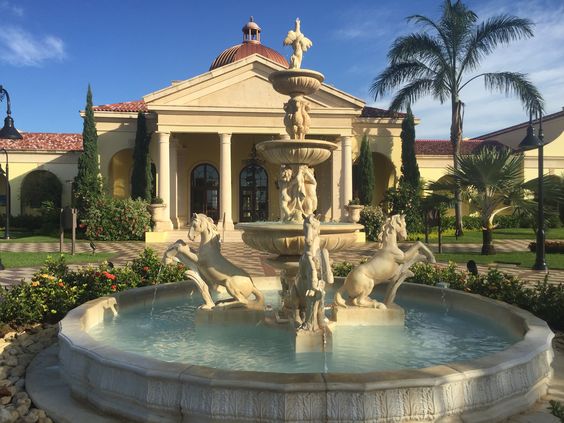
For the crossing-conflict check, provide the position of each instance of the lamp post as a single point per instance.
(531, 142)
(11, 133)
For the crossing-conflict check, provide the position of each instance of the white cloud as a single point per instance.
(11, 8)
(19, 47)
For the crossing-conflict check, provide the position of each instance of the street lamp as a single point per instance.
(11, 133)
(531, 142)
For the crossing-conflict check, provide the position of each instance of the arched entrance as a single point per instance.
(121, 166)
(38, 187)
(253, 194)
(384, 176)
(204, 190)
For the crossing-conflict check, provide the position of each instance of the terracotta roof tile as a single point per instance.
(126, 106)
(374, 112)
(444, 147)
(44, 141)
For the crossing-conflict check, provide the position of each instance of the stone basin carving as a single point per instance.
(294, 82)
(287, 239)
(310, 152)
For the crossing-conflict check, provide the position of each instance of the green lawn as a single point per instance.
(475, 236)
(18, 235)
(11, 259)
(521, 258)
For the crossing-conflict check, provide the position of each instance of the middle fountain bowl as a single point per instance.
(288, 151)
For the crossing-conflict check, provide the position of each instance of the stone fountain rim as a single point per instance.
(325, 227)
(296, 72)
(80, 351)
(296, 143)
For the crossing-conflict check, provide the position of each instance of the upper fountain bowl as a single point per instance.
(294, 82)
(309, 152)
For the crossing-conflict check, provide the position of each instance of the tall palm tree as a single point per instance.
(442, 60)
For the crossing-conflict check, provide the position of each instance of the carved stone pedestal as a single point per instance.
(229, 316)
(363, 316)
(318, 341)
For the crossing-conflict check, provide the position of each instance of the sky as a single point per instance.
(51, 50)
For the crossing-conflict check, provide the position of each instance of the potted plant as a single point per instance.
(353, 209)
(157, 210)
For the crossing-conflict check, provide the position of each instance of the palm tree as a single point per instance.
(442, 59)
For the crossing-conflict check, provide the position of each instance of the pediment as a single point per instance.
(239, 85)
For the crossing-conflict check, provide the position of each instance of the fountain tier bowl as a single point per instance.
(150, 389)
(294, 82)
(287, 239)
(308, 152)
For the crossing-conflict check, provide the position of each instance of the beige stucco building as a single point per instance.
(204, 129)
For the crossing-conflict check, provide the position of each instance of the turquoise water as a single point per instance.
(431, 336)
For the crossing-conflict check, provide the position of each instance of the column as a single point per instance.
(346, 174)
(225, 202)
(173, 206)
(163, 142)
(336, 194)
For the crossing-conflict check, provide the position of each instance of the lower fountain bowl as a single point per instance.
(148, 389)
(287, 239)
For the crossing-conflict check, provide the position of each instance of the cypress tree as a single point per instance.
(409, 168)
(141, 177)
(87, 183)
(364, 173)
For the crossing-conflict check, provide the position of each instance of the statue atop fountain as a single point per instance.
(299, 42)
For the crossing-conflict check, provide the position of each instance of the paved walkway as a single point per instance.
(254, 261)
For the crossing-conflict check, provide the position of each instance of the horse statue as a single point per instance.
(308, 291)
(214, 268)
(389, 263)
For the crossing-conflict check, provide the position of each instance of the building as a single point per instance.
(204, 129)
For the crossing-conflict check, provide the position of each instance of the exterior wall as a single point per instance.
(61, 164)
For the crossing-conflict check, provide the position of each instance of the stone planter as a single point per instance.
(158, 217)
(353, 211)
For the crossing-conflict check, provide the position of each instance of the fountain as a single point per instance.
(386, 351)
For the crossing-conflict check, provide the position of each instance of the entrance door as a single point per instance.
(204, 192)
(253, 191)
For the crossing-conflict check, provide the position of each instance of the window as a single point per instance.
(204, 192)
(253, 192)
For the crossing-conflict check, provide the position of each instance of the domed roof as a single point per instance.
(250, 45)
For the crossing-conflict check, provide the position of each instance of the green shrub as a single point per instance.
(544, 300)
(549, 247)
(557, 409)
(115, 219)
(55, 289)
(405, 200)
(342, 269)
(372, 217)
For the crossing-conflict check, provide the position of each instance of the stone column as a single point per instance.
(163, 141)
(336, 193)
(173, 205)
(225, 202)
(346, 173)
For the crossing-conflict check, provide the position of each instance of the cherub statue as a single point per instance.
(299, 42)
(286, 200)
(309, 202)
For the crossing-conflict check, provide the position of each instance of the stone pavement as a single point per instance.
(254, 261)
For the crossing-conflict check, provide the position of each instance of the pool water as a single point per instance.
(431, 336)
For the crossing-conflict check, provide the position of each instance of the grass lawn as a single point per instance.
(521, 258)
(18, 235)
(11, 259)
(475, 236)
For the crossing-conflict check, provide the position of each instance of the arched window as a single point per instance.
(253, 193)
(37, 187)
(204, 191)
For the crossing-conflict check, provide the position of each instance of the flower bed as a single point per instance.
(549, 247)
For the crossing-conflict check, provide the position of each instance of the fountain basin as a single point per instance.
(307, 152)
(294, 82)
(147, 389)
(287, 239)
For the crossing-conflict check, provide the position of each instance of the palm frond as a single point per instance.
(515, 83)
(456, 23)
(420, 47)
(429, 23)
(397, 74)
(410, 93)
(490, 34)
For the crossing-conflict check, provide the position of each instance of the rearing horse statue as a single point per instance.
(389, 263)
(213, 267)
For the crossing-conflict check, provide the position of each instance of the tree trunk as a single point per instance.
(456, 139)
(487, 244)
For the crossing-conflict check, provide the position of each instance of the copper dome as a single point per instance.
(250, 45)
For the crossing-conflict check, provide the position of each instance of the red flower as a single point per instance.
(145, 268)
(109, 276)
(97, 274)
(61, 284)
(113, 287)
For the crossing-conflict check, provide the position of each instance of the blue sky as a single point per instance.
(51, 50)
